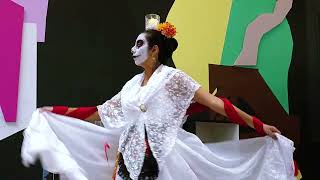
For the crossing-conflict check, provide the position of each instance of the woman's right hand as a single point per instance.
(46, 108)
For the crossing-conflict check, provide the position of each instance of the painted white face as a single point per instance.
(140, 50)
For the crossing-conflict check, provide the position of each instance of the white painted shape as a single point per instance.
(2, 121)
(27, 101)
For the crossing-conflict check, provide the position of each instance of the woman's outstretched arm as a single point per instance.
(224, 107)
(89, 114)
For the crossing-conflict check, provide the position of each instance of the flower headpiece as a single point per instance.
(167, 29)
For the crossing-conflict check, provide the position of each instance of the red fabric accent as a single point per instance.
(106, 148)
(258, 125)
(196, 108)
(60, 109)
(296, 168)
(232, 113)
(83, 112)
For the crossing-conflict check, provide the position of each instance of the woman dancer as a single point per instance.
(148, 114)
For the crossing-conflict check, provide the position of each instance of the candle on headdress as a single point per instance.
(152, 21)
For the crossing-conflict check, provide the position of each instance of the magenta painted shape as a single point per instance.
(35, 12)
(11, 25)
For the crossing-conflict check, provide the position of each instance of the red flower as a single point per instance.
(167, 29)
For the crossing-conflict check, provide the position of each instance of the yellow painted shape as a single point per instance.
(201, 29)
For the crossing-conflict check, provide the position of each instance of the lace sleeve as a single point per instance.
(181, 89)
(111, 113)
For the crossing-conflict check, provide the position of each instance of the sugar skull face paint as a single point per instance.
(140, 50)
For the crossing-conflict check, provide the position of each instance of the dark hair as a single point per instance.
(166, 46)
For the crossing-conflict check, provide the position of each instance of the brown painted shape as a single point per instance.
(261, 25)
(247, 85)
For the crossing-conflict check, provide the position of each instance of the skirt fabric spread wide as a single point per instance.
(79, 150)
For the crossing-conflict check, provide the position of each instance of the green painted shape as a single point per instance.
(275, 50)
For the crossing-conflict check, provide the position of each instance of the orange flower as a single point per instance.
(167, 29)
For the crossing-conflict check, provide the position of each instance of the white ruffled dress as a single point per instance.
(79, 150)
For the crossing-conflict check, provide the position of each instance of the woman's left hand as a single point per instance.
(271, 130)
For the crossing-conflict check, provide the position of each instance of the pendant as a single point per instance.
(143, 108)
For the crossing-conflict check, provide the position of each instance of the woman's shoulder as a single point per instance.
(176, 71)
(133, 80)
(136, 77)
(171, 70)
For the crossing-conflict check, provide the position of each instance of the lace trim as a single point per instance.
(150, 169)
(132, 148)
(111, 112)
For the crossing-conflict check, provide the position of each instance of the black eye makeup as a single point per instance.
(139, 43)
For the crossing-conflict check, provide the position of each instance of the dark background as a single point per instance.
(86, 60)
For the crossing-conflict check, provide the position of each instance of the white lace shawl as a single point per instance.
(159, 107)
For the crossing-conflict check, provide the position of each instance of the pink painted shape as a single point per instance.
(11, 24)
(35, 12)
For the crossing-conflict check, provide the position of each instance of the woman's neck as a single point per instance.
(148, 71)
